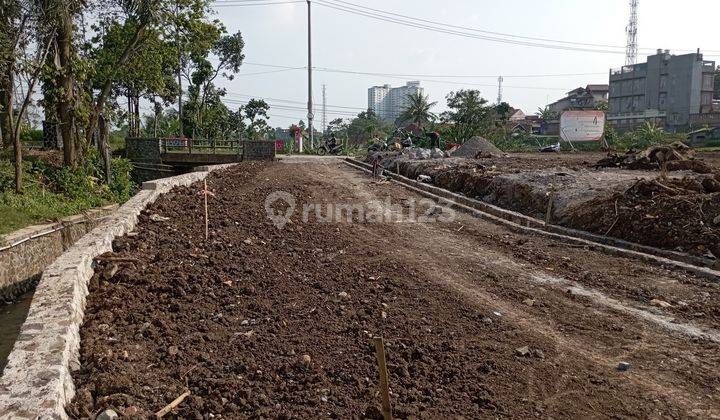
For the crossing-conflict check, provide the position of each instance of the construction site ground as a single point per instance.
(678, 210)
(478, 322)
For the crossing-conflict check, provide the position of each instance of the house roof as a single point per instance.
(598, 88)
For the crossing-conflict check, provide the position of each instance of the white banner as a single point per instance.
(579, 126)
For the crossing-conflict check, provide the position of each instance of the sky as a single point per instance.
(275, 34)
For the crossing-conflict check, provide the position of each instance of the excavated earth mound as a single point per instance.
(584, 198)
(477, 147)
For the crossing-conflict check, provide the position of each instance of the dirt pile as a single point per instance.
(674, 157)
(681, 214)
(584, 199)
(477, 147)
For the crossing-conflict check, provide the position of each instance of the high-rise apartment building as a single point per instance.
(389, 102)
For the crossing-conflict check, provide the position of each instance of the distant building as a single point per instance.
(589, 97)
(389, 102)
(670, 90)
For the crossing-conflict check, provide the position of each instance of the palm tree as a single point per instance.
(418, 110)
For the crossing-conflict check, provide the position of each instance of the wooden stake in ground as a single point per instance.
(384, 386)
(168, 408)
(205, 192)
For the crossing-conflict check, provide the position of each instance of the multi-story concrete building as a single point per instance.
(389, 102)
(669, 90)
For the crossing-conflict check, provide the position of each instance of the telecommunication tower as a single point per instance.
(324, 112)
(500, 92)
(632, 30)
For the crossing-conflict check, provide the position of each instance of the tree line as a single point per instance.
(468, 115)
(89, 63)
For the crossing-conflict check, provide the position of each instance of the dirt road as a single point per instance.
(478, 321)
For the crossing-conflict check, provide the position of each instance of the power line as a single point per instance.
(439, 29)
(271, 71)
(408, 75)
(293, 101)
(289, 107)
(405, 77)
(426, 24)
(366, 11)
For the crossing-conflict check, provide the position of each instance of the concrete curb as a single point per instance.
(36, 383)
(525, 224)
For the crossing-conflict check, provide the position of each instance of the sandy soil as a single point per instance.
(479, 322)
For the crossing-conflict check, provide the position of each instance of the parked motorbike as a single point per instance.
(330, 148)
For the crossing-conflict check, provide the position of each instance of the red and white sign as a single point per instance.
(579, 126)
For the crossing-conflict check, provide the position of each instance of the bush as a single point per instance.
(643, 137)
(52, 192)
(31, 136)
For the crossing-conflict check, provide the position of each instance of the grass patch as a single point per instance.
(52, 192)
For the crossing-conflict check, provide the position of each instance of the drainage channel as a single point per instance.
(12, 316)
(521, 223)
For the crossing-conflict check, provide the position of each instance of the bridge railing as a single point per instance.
(189, 146)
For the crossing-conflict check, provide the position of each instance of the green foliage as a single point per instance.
(28, 135)
(256, 112)
(642, 137)
(547, 114)
(53, 192)
(367, 126)
(418, 110)
(469, 116)
(503, 111)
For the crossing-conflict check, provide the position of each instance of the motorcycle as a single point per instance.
(329, 148)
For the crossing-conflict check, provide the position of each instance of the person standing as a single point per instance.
(434, 140)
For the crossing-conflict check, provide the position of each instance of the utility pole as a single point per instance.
(310, 115)
(631, 50)
(500, 92)
(179, 76)
(324, 112)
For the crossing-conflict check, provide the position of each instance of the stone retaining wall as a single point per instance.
(36, 382)
(38, 246)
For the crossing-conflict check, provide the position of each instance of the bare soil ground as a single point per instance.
(680, 212)
(479, 322)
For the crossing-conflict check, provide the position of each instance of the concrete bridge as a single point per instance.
(154, 158)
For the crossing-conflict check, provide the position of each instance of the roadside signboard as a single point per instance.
(579, 126)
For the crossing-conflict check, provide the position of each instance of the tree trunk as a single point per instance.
(17, 149)
(99, 104)
(67, 83)
(6, 103)
(104, 147)
(136, 105)
(131, 132)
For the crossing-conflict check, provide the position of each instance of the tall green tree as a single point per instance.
(418, 110)
(256, 113)
(546, 114)
(503, 111)
(469, 115)
(20, 24)
(366, 126)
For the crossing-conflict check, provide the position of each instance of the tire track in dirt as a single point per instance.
(232, 319)
(492, 262)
